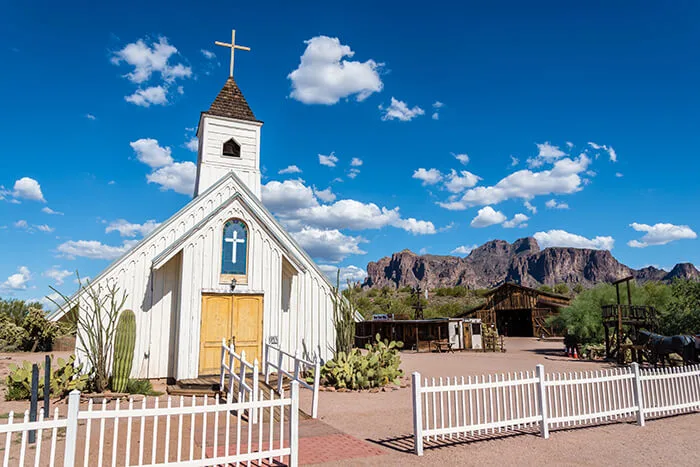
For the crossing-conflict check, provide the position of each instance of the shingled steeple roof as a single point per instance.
(231, 103)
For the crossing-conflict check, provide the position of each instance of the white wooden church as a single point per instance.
(222, 267)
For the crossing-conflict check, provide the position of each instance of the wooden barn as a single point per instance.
(519, 311)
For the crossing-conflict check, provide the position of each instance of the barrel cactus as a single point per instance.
(124, 342)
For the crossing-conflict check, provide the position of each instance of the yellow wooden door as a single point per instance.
(217, 322)
(230, 317)
(248, 325)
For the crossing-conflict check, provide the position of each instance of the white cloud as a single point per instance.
(48, 210)
(554, 204)
(179, 177)
(192, 144)
(208, 54)
(329, 160)
(611, 152)
(464, 249)
(45, 228)
(514, 161)
(28, 188)
(547, 153)
(458, 182)
(518, 220)
(352, 173)
(297, 206)
(147, 60)
(127, 229)
(154, 95)
(291, 169)
(660, 234)
(323, 77)
(563, 238)
(435, 116)
(90, 117)
(437, 105)
(462, 158)
(428, 177)
(350, 274)
(528, 205)
(17, 281)
(21, 224)
(563, 178)
(93, 249)
(356, 162)
(398, 110)
(327, 196)
(487, 216)
(57, 274)
(151, 153)
(570, 144)
(619, 174)
(328, 244)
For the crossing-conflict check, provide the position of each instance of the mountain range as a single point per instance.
(522, 262)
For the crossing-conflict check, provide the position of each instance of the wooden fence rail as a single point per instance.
(181, 432)
(239, 376)
(274, 358)
(449, 409)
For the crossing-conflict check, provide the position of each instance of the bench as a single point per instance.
(443, 346)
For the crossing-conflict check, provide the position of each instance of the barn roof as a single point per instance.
(545, 298)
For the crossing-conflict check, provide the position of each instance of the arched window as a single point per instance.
(232, 148)
(234, 250)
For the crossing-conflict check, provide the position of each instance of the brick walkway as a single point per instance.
(320, 443)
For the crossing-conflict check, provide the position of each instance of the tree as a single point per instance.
(683, 312)
(40, 331)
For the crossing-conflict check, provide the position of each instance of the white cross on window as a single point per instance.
(235, 240)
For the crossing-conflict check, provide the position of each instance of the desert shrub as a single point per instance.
(377, 367)
(545, 288)
(444, 310)
(457, 291)
(561, 289)
(12, 336)
(40, 331)
(141, 386)
(682, 313)
(65, 377)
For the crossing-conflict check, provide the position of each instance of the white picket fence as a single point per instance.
(450, 409)
(239, 376)
(204, 432)
(300, 366)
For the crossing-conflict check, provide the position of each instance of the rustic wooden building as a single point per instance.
(519, 311)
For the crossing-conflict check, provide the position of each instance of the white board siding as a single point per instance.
(167, 300)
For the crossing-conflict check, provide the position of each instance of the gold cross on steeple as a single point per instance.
(233, 46)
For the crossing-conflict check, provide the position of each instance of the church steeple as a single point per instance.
(230, 103)
(229, 136)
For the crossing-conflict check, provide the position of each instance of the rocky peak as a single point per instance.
(683, 271)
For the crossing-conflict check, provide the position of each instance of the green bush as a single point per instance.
(65, 376)
(355, 370)
(40, 331)
(141, 386)
(12, 337)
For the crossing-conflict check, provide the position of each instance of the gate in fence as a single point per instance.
(449, 409)
(238, 376)
(275, 358)
(184, 432)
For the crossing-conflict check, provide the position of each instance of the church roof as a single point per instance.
(231, 103)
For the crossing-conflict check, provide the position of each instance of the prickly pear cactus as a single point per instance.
(124, 342)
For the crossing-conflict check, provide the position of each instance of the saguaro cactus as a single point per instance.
(124, 342)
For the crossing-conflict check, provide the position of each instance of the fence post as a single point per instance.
(71, 428)
(417, 413)
(266, 367)
(222, 380)
(638, 395)
(317, 383)
(241, 376)
(47, 384)
(294, 426)
(34, 401)
(542, 401)
(254, 396)
(280, 375)
(231, 370)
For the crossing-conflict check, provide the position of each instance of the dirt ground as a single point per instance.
(385, 419)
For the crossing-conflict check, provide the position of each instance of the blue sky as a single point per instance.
(91, 94)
